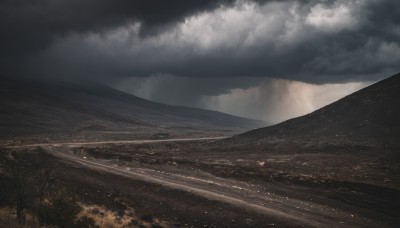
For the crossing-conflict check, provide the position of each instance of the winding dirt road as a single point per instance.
(237, 193)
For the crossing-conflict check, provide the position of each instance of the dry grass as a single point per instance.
(8, 219)
(103, 217)
(110, 219)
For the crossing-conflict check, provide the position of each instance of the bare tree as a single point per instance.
(42, 181)
(21, 190)
(20, 185)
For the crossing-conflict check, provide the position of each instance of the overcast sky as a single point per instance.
(270, 60)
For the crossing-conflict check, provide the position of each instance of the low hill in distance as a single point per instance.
(43, 110)
(368, 117)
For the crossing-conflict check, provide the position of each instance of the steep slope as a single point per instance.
(368, 116)
(32, 107)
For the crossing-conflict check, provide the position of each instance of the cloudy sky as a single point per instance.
(269, 60)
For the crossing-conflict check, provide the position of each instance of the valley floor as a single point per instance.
(188, 184)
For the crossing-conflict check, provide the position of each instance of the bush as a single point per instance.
(61, 209)
(147, 217)
(86, 222)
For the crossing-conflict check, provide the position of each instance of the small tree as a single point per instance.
(42, 181)
(21, 194)
(61, 209)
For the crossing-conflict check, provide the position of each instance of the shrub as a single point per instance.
(147, 217)
(61, 209)
(86, 222)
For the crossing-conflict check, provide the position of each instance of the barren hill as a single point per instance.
(51, 108)
(369, 116)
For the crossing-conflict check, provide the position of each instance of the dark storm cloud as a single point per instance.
(29, 26)
(271, 100)
(312, 41)
(182, 90)
(214, 54)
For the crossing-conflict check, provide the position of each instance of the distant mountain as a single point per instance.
(370, 116)
(29, 107)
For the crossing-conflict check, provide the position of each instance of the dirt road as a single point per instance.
(237, 193)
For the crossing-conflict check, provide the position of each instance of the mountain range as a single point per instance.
(29, 107)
